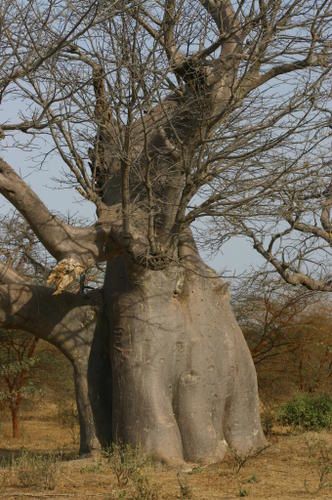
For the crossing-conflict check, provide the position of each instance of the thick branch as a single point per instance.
(326, 220)
(226, 20)
(8, 276)
(66, 320)
(172, 51)
(309, 229)
(86, 245)
(310, 61)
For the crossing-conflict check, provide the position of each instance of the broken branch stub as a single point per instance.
(64, 274)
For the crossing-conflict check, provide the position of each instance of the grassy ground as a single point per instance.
(293, 466)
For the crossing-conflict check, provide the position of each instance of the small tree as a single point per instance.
(17, 358)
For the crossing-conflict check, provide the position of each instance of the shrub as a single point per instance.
(143, 489)
(37, 471)
(125, 461)
(68, 418)
(320, 455)
(307, 411)
(267, 419)
(185, 490)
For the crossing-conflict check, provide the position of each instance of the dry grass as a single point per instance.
(288, 469)
(295, 465)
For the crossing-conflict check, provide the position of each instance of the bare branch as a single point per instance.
(290, 275)
(31, 67)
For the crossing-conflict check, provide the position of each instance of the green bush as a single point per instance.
(307, 411)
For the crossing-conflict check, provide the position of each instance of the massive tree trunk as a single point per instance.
(183, 381)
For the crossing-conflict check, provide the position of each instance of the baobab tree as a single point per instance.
(160, 112)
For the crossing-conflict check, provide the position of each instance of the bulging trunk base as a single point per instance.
(184, 384)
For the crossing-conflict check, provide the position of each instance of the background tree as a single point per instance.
(17, 359)
(164, 113)
(288, 328)
(269, 311)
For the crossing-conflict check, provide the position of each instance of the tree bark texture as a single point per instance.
(183, 381)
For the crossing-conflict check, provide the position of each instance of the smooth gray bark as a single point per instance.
(184, 384)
